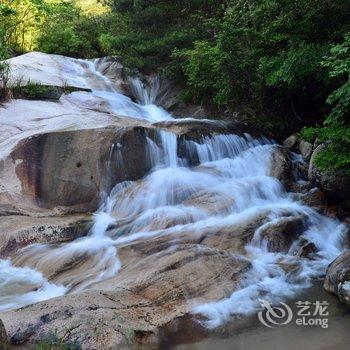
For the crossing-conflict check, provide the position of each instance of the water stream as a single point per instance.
(229, 186)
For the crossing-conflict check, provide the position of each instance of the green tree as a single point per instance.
(59, 32)
(4, 54)
(21, 20)
(152, 30)
(72, 28)
(336, 130)
(271, 53)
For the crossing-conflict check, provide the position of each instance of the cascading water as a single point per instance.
(229, 185)
(120, 104)
(145, 96)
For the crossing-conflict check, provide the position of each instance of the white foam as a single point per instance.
(21, 286)
(122, 105)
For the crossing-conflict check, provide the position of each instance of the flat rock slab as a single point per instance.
(20, 231)
(132, 307)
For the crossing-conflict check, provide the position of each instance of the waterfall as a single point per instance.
(123, 105)
(145, 95)
(228, 185)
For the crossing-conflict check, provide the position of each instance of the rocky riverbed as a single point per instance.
(119, 222)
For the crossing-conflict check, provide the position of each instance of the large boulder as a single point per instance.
(282, 166)
(291, 142)
(306, 149)
(334, 183)
(59, 154)
(72, 168)
(337, 279)
(314, 198)
(280, 235)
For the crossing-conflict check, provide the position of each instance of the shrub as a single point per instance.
(53, 342)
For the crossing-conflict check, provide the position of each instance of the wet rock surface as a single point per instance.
(20, 231)
(307, 249)
(281, 235)
(282, 167)
(72, 168)
(158, 283)
(337, 279)
(314, 198)
(147, 294)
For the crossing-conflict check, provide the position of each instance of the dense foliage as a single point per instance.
(4, 66)
(153, 29)
(336, 130)
(268, 55)
(281, 63)
(69, 27)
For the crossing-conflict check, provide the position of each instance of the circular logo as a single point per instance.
(277, 315)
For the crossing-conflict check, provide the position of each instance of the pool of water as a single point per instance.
(249, 333)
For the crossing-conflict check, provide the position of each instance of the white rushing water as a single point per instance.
(22, 286)
(229, 185)
(143, 108)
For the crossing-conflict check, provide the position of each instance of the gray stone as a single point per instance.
(314, 198)
(282, 166)
(337, 279)
(291, 142)
(307, 249)
(20, 231)
(305, 149)
(281, 235)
